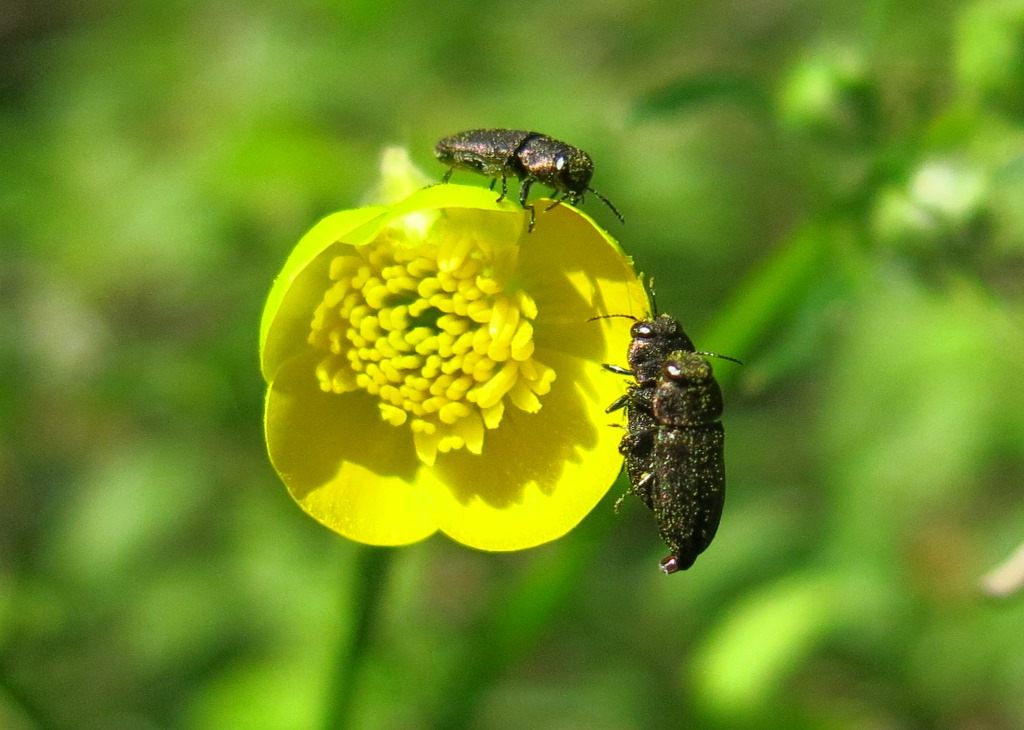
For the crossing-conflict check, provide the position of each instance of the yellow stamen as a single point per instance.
(435, 332)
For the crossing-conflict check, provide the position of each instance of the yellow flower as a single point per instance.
(431, 367)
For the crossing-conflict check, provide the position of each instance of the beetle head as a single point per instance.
(687, 393)
(573, 168)
(652, 341)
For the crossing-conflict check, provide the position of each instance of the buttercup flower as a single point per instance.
(432, 366)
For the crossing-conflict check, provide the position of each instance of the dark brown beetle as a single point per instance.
(674, 446)
(530, 156)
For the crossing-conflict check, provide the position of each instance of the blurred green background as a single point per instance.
(832, 192)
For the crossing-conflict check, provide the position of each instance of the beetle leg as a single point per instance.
(620, 402)
(448, 174)
(616, 369)
(631, 489)
(643, 481)
(504, 188)
(533, 218)
(524, 191)
(557, 201)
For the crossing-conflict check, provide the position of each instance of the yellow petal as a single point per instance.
(285, 321)
(540, 474)
(343, 464)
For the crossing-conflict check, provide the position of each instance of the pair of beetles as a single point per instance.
(674, 447)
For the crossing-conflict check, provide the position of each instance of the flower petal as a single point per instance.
(540, 473)
(343, 464)
(285, 322)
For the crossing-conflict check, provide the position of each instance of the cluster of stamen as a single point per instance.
(435, 334)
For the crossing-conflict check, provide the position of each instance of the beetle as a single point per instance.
(686, 481)
(674, 446)
(651, 341)
(529, 156)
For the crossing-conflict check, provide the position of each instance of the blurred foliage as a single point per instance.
(830, 192)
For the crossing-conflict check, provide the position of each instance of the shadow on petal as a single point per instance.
(310, 433)
(540, 474)
(527, 447)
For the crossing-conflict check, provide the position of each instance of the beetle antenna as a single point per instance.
(720, 357)
(609, 316)
(609, 204)
(654, 296)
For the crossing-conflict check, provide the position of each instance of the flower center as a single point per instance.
(434, 332)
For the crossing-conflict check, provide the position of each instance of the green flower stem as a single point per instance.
(370, 571)
(515, 619)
